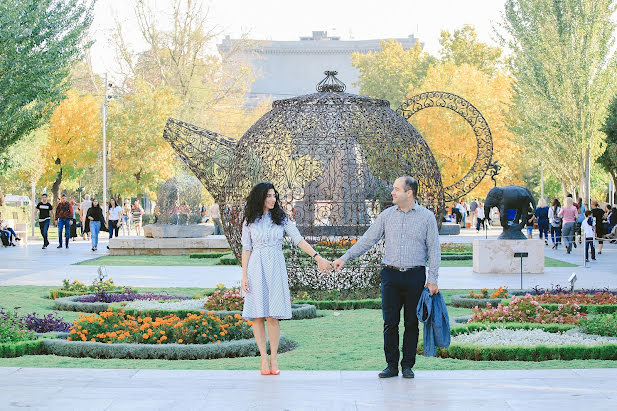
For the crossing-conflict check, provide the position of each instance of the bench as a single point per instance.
(21, 229)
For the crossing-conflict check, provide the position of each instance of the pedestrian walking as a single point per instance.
(598, 215)
(45, 216)
(480, 217)
(588, 228)
(568, 214)
(126, 217)
(215, 214)
(555, 221)
(85, 222)
(96, 221)
(64, 218)
(136, 214)
(581, 209)
(114, 217)
(542, 219)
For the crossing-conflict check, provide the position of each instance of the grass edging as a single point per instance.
(29, 347)
(524, 353)
(298, 311)
(208, 255)
(369, 303)
(453, 257)
(227, 349)
(462, 301)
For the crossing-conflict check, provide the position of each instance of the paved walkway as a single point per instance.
(30, 265)
(93, 389)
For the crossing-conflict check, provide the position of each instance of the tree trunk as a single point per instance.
(55, 188)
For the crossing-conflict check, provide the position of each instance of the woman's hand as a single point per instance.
(245, 284)
(324, 265)
(90, 218)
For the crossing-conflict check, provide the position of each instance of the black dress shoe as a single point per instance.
(407, 373)
(60, 246)
(388, 372)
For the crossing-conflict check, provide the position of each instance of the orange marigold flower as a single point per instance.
(180, 340)
(69, 339)
(146, 336)
(249, 323)
(92, 339)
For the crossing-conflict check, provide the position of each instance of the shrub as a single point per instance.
(225, 299)
(17, 349)
(118, 327)
(605, 325)
(338, 294)
(78, 288)
(228, 259)
(372, 303)
(207, 255)
(557, 289)
(526, 309)
(13, 327)
(48, 323)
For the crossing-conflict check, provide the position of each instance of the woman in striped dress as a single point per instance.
(264, 275)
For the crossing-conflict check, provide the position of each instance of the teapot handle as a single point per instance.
(474, 118)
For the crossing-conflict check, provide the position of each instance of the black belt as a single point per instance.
(392, 267)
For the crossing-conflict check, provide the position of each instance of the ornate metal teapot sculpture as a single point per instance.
(331, 155)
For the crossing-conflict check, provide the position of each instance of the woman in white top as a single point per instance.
(114, 217)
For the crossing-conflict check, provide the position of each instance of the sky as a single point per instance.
(290, 19)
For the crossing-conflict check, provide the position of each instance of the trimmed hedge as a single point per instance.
(524, 353)
(208, 255)
(457, 257)
(71, 304)
(587, 308)
(370, 303)
(238, 348)
(298, 311)
(228, 259)
(31, 347)
(461, 300)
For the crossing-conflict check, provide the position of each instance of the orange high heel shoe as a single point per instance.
(275, 372)
(266, 372)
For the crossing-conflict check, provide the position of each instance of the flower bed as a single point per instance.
(509, 337)
(481, 299)
(193, 304)
(128, 295)
(541, 352)
(229, 299)
(598, 298)
(456, 248)
(526, 309)
(119, 327)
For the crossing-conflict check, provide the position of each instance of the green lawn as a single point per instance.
(339, 340)
(160, 260)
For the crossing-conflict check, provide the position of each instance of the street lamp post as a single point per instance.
(105, 145)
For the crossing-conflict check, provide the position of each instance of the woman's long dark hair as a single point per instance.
(556, 204)
(255, 204)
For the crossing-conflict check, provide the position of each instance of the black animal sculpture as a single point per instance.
(508, 198)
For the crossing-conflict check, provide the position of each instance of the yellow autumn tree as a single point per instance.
(140, 159)
(73, 143)
(452, 140)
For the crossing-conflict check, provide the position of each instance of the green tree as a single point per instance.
(140, 159)
(608, 159)
(392, 72)
(39, 41)
(565, 69)
(462, 47)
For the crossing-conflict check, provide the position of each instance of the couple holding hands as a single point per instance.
(411, 239)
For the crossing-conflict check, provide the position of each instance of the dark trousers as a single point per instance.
(64, 224)
(113, 228)
(401, 289)
(543, 228)
(588, 245)
(44, 226)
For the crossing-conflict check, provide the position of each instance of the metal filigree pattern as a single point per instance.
(477, 122)
(333, 158)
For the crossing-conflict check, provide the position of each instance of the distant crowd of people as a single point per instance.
(89, 217)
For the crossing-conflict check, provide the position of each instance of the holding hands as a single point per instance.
(324, 265)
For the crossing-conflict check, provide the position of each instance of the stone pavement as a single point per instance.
(110, 389)
(29, 265)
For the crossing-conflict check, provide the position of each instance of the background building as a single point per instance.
(291, 68)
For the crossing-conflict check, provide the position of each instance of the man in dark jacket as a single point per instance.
(64, 217)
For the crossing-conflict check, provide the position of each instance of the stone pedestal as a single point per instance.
(497, 256)
(167, 246)
(178, 230)
(450, 229)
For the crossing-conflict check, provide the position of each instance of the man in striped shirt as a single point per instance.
(411, 239)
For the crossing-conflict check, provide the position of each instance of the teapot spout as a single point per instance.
(208, 154)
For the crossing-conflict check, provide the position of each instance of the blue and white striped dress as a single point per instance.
(268, 294)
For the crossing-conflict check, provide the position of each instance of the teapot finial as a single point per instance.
(331, 83)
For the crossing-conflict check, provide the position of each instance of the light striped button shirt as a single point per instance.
(411, 237)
